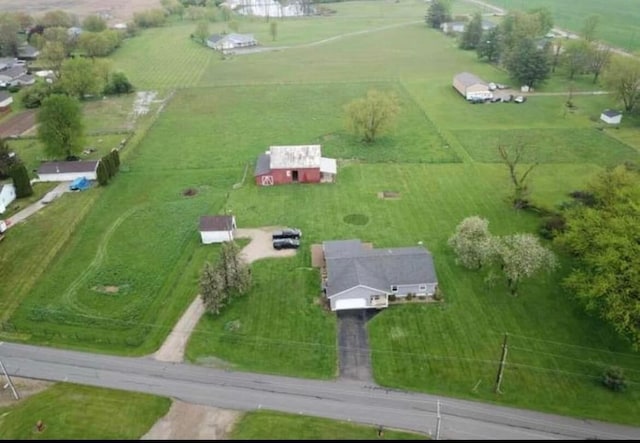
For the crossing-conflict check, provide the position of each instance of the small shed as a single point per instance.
(611, 117)
(7, 195)
(217, 228)
(68, 171)
(471, 86)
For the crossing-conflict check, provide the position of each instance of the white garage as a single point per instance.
(217, 228)
(68, 171)
(350, 303)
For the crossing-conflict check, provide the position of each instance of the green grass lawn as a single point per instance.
(271, 425)
(139, 234)
(74, 412)
(618, 19)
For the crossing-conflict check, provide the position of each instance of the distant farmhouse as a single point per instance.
(294, 164)
(471, 87)
(226, 42)
(357, 276)
(459, 27)
(13, 72)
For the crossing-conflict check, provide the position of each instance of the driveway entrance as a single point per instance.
(353, 344)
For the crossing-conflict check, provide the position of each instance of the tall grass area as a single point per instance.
(619, 20)
(75, 412)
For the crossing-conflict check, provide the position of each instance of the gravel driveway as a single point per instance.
(172, 349)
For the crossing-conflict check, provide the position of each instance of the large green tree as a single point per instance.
(8, 159)
(60, 127)
(472, 35)
(576, 57)
(528, 64)
(369, 116)
(9, 28)
(622, 77)
(603, 238)
(489, 46)
(79, 77)
(439, 12)
(94, 23)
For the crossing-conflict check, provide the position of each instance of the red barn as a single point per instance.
(294, 164)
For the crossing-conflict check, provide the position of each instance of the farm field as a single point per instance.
(619, 19)
(126, 261)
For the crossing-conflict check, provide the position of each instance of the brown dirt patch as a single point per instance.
(111, 289)
(17, 124)
(189, 192)
(119, 10)
(187, 421)
(25, 388)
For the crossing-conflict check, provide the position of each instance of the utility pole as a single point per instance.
(503, 359)
(9, 382)
(438, 420)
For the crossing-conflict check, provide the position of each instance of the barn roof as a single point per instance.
(468, 79)
(210, 223)
(65, 167)
(262, 165)
(297, 156)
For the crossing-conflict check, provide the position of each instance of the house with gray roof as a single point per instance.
(225, 42)
(361, 277)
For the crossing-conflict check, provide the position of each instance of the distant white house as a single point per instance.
(217, 228)
(611, 117)
(226, 42)
(7, 195)
(459, 27)
(68, 171)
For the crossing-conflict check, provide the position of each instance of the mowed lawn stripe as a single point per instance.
(163, 58)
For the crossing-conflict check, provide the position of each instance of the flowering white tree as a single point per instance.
(472, 242)
(522, 256)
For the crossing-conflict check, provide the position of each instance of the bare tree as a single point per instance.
(512, 157)
(599, 59)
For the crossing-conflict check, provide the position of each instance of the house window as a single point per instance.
(422, 288)
(394, 288)
(288, 173)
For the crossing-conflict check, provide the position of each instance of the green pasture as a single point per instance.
(619, 20)
(122, 262)
(272, 425)
(75, 412)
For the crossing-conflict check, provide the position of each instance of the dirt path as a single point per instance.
(17, 124)
(190, 421)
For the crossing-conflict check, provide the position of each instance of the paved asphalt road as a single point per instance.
(344, 400)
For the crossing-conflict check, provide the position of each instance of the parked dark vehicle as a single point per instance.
(286, 243)
(287, 233)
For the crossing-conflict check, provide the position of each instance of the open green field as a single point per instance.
(619, 23)
(271, 425)
(75, 412)
(128, 256)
